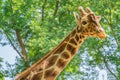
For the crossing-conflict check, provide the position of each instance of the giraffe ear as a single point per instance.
(99, 18)
(77, 18)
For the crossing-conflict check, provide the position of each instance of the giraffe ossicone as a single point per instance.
(52, 64)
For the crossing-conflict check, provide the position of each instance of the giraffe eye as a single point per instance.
(84, 22)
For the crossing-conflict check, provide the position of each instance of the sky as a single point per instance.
(8, 54)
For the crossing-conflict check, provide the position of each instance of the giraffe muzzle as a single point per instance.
(102, 35)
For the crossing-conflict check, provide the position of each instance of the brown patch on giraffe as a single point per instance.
(86, 30)
(91, 29)
(50, 74)
(51, 61)
(62, 47)
(37, 76)
(80, 41)
(81, 36)
(79, 29)
(71, 49)
(61, 63)
(77, 38)
(67, 39)
(65, 55)
(72, 41)
(40, 69)
(25, 78)
(83, 31)
(73, 33)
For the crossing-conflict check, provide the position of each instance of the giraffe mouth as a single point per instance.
(102, 35)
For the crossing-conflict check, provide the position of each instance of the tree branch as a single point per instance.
(7, 35)
(24, 53)
(43, 7)
(106, 64)
(13, 44)
(56, 7)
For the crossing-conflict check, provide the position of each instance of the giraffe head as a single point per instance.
(89, 24)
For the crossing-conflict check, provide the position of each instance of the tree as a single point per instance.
(1, 70)
(34, 27)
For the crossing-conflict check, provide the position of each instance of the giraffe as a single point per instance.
(52, 64)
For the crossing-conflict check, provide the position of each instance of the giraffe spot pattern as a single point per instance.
(83, 31)
(65, 55)
(81, 36)
(40, 69)
(86, 30)
(67, 39)
(37, 76)
(77, 38)
(61, 63)
(61, 49)
(73, 33)
(72, 41)
(51, 61)
(71, 49)
(80, 41)
(50, 74)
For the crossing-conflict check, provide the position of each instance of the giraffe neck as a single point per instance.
(50, 66)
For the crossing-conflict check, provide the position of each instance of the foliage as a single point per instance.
(34, 27)
(1, 70)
